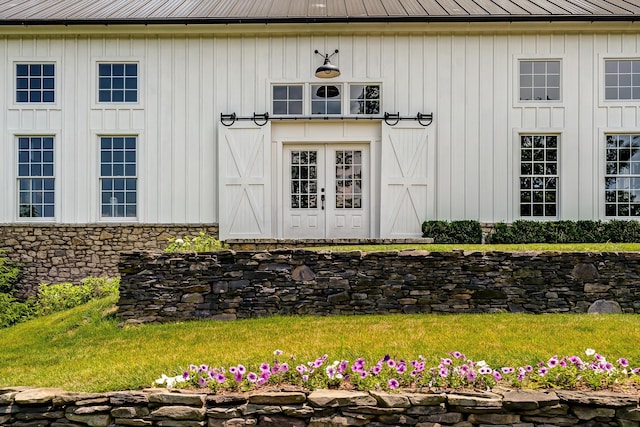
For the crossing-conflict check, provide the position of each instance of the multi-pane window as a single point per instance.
(622, 178)
(539, 80)
(35, 83)
(539, 175)
(118, 82)
(118, 183)
(36, 185)
(622, 79)
(348, 179)
(364, 99)
(287, 99)
(326, 99)
(304, 179)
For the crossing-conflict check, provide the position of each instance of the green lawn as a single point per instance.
(564, 247)
(83, 349)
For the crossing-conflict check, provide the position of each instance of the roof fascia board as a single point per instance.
(329, 19)
(563, 27)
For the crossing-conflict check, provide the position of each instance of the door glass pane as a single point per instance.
(304, 179)
(348, 179)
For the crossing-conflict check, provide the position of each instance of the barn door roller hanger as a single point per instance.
(390, 119)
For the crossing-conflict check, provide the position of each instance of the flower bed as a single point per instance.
(456, 371)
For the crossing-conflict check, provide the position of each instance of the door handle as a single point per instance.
(322, 198)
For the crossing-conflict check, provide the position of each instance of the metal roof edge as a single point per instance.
(327, 20)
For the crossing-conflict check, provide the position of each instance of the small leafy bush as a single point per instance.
(13, 311)
(203, 242)
(9, 274)
(63, 296)
(453, 232)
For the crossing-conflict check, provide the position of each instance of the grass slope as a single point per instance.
(83, 350)
(558, 247)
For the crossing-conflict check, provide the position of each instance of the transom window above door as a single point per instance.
(350, 99)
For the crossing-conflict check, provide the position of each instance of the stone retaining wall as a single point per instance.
(228, 285)
(320, 408)
(55, 253)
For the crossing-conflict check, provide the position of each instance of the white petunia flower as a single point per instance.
(590, 352)
(162, 379)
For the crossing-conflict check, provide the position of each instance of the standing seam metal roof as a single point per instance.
(265, 11)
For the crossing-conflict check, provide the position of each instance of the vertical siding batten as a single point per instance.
(588, 170)
(443, 183)
(195, 85)
(458, 123)
(7, 183)
(472, 167)
(150, 163)
(486, 102)
(570, 146)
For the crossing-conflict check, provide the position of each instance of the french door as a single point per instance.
(326, 191)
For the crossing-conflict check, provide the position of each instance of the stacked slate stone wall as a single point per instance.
(320, 408)
(54, 253)
(229, 285)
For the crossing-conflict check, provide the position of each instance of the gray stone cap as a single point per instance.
(512, 399)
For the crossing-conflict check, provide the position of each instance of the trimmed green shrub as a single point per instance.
(203, 242)
(583, 231)
(620, 231)
(453, 232)
(591, 231)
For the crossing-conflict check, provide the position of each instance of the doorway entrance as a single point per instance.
(326, 191)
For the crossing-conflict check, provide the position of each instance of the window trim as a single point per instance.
(95, 75)
(604, 102)
(517, 102)
(56, 176)
(13, 83)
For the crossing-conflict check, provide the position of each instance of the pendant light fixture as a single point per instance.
(327, 70)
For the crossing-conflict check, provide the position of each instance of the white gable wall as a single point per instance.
(466, 80)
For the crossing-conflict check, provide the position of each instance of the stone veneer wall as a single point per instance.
(320, 408)
(54, 253)
(228, 285)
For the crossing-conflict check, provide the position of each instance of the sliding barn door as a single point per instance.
(244, 165)
(407, 163)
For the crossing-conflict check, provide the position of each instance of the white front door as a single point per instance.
(326, 191)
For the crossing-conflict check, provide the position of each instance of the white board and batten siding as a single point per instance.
(469, 81)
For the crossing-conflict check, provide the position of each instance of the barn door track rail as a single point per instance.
(262, 119)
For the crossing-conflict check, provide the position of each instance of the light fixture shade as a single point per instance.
(327, 70)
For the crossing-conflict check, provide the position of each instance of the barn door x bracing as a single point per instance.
(244, 165)
(408, 171)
